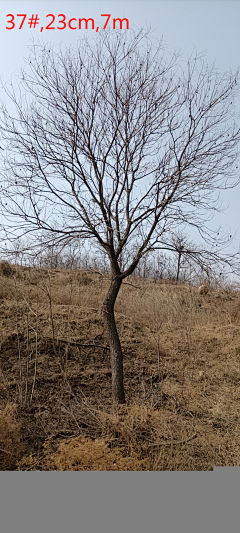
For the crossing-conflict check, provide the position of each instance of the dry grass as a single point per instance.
(181, 367)
(11, 446)
(6, 269)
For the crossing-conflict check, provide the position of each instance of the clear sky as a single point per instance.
(211, 26)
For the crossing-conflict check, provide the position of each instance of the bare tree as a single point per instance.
(202, 260)
(180, 245)
(120, 143)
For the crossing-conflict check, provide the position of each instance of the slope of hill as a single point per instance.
(181, 367)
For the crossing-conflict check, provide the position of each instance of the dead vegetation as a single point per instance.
(181, 375)
(6, 269)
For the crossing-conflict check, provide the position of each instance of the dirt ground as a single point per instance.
(181, 375)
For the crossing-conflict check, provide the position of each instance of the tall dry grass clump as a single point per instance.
(6, 269)
(83, 453)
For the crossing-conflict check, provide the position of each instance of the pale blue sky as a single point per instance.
(211, 26)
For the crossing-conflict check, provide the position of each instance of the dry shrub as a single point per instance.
(128, 443)
(127, 426)
(28, 462)
(6, 269)
(234, 312)
(137, 430)
(6, 288)
(84, 278)
(81, 453)
(11, 447)
(122, 446)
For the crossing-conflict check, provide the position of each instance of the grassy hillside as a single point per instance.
(181, 367)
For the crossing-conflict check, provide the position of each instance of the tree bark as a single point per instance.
(179, 263)
(118, 395)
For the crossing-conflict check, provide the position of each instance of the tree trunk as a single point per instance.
(179, 263)
(114, 342)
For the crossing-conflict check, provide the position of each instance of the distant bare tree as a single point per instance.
(120, 143)
(180, 245)
(189, 255)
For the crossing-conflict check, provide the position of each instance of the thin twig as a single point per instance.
(6, 451)
(68, 340)
(30, 467)
(18, 339)
(70, 413)
(131, 285)
(75, 343)
(159, 387)
(49, 295)
(174, 443)
(27, 363)
(36, 348)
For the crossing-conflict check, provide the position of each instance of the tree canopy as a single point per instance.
(120, 142)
